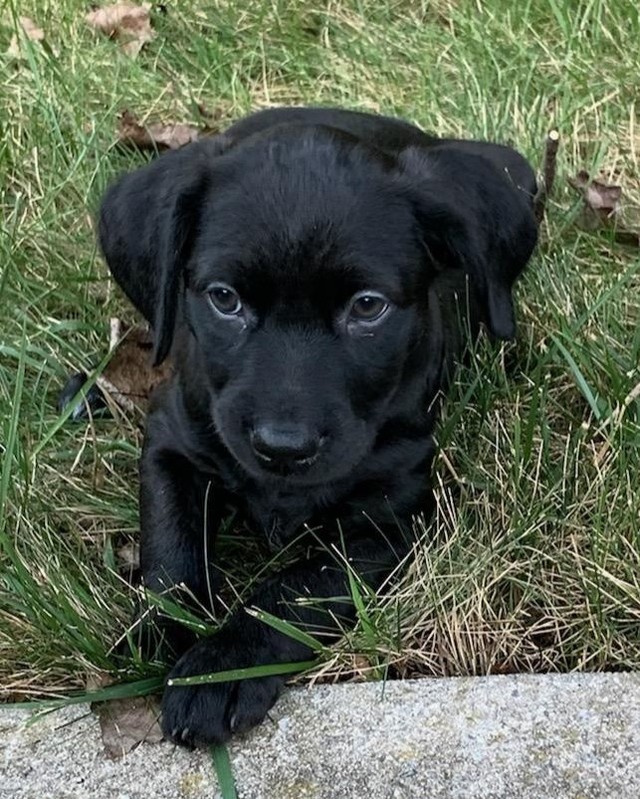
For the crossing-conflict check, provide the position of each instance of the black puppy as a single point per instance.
(313, 272)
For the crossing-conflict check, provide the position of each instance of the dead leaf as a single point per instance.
(129, 24)
(126, 723)
(30, 30)
(603, 198)
(129, 378)
(600, 199)
(157, 136)
(602, 209)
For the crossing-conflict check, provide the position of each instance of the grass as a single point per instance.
(533, 562)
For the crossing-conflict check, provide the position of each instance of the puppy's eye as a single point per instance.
(368, 307)
(225, 300)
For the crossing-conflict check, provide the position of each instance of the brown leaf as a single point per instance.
(156, 136)
(129, 24)
(603, 198)
(129, 378)
(126, 723)
(30, 30)
(602, 209)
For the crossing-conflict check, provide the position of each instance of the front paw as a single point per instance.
(200, 715)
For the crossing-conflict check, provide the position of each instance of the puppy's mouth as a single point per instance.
(293, 467)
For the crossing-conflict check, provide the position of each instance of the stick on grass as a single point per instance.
(548, 175)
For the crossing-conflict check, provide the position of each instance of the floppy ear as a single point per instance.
(147, 225)
(476, 217)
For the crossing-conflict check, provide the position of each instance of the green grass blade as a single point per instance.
(177, 612)
(245, 674)
(124, 690)
(287, 629)
(222, 766)
(580, 379)
(11, 437)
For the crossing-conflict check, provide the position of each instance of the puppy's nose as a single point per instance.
(284, 444)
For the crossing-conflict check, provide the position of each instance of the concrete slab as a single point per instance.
(513, 737)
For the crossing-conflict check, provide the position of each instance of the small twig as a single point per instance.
(548, 174)
(115, 332)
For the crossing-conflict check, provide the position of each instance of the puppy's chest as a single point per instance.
(281, 514)
(277, 511)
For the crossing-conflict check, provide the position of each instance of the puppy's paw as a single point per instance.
(201, 715)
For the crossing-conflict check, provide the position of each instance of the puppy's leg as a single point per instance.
(200, 715)
(177, 534)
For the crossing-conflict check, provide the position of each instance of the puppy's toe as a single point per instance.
(195, 715)
(252, 702)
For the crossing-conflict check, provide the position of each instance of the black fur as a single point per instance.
(294, 409)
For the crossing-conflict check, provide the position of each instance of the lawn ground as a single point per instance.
(533, 562)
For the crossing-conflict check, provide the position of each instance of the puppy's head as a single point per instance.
(300, 262)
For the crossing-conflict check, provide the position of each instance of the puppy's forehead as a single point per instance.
(299, 212)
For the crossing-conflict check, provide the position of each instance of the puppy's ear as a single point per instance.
(147, 225)
(476, 217)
